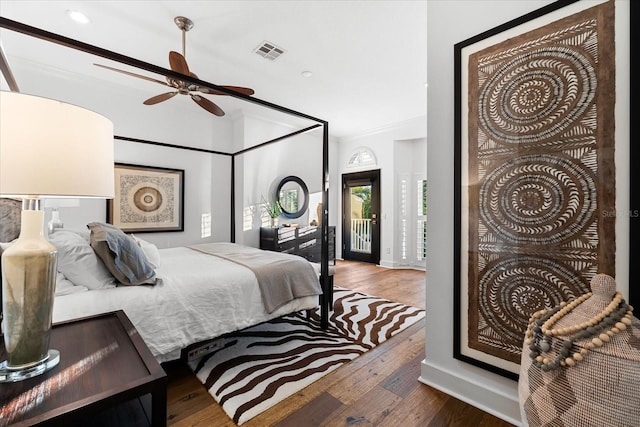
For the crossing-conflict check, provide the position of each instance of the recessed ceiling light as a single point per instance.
(78, 16)
(307, 74)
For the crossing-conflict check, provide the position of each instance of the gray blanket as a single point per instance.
(281, 277)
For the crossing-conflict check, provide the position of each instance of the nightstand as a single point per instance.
(104, 365)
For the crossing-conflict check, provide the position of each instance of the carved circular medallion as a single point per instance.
(540, 199)
(537, 95)
(512, 289)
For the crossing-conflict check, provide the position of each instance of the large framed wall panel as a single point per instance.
(535, 170)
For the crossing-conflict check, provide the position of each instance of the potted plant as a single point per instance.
(273, 210)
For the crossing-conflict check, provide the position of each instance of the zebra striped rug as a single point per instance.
(260, 366)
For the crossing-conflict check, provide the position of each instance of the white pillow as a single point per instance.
(85, 234)
(149, 249)
(66, 287)
(78, 262)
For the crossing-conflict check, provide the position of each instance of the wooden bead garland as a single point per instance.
(539, 336)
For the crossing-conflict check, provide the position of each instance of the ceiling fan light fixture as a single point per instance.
(78, 16)
(178, 64)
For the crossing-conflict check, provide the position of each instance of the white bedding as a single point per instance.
(199, 297)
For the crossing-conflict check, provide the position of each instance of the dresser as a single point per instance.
(307, 243)
(303, 241)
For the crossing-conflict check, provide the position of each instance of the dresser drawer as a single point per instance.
(303, 241)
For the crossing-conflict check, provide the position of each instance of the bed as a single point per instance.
(186, 295)
(179, 319)
(300, 124)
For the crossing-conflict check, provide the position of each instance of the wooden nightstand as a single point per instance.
(104, 364)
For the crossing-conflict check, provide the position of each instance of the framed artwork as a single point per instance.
(147, 199)
(634, 154)
(535, 173)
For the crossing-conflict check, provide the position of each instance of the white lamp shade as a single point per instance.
(52, 149)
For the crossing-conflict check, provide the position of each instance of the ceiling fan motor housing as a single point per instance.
(185, 24)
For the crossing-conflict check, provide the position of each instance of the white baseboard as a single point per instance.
(396, 265)
(392, 265)
(491, 401)
(387, 264)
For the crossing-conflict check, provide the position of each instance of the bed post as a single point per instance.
(324, 250)
(232, 236)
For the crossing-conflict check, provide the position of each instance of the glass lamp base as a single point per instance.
(8, 375)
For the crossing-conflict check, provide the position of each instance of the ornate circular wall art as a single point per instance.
(539, 199)
(147, 199)
(537, 95)
(536, 166)
(510, 289)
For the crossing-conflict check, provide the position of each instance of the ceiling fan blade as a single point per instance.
(207, 105)
(132, 74)
(159, 98)
(178, 63)
(242, 90)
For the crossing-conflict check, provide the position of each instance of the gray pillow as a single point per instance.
(121, 255)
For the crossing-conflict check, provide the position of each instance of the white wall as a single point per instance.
(260, 170)
(201, 169)
(382, 143)
(207, 176)
(450, 22)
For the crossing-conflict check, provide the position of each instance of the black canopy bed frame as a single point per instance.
(325, 300)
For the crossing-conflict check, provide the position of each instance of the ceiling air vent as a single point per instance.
(269, 51)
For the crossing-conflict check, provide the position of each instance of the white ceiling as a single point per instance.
(368, 57)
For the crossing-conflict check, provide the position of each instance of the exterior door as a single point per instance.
(360, 216)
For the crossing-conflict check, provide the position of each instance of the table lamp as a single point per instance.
(47, 149)
(55, 204)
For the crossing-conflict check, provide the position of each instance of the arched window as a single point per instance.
(362, 156)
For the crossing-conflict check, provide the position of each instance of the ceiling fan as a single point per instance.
(178, 63)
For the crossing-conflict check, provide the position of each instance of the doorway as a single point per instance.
(360, 216)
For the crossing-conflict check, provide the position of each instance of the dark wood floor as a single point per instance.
(379, 388)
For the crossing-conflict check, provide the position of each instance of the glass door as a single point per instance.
(360, 225)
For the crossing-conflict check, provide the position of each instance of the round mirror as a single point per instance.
(293, 196)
